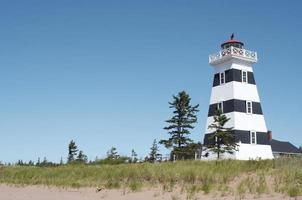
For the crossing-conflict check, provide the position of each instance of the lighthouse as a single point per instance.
(235, 93)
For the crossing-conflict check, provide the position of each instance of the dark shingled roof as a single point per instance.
(284, 147)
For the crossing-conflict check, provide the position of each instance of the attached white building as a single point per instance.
(235, 92)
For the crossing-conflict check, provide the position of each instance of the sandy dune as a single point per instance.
(47, 193)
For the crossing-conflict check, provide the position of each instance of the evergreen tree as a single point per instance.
(112, 154)
(31, 163)
(82, 157)
(189, 151)
(154, 153)
(180, 124)
(45, 161)
(72, 151)
(221, 139)
(20, 162)
(61, 161)
(133, 156)
(38, 162)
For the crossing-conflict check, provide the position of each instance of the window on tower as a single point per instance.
(222, 78)
(249, 109)
(244, 76)
(253, 137)
(220, 106)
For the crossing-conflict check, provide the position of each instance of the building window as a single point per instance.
(249, 109)
(253, 137)
(244, 76)
(220, 106)
(222, 78)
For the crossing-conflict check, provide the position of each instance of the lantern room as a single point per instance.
(232, 43)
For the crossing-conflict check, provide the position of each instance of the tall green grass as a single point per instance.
(194, 176)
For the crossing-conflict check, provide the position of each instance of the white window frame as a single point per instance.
(220, 79)
(255, 137)
(220, 103)
(247, 107)
(246, 76)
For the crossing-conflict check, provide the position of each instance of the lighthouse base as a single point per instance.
(245, 152)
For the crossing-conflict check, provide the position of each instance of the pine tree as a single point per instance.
(20, 162)
(180, 124)
(61, 161)
(154, 153)
(112, 154)
(133, 156)
(221, 139)
(45, 161)
(31, 163)
(72, 151)
(38, 163)
(82, 157)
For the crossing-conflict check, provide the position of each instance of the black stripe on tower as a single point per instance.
(234, 75)
(235, 105)
(242, 136)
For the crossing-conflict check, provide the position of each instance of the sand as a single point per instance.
(51, 193)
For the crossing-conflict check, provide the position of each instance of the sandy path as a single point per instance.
(50, 193)
(46, 193)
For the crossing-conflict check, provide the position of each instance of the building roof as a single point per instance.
(284, 147)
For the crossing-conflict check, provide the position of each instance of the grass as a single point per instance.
(193, 176)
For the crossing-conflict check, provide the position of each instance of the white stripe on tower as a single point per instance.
(234, 90)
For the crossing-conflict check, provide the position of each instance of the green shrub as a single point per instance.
(135, 186)
(293, 191)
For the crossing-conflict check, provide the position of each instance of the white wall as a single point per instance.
(213, 156)
(241, 121)
(245, 91)
(234, 90)
(233, 63)
(244, 121)
(253, 151)
(229, 124)
(245, 152)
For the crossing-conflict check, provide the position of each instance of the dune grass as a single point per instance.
(227, 176)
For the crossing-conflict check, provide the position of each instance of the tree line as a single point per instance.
(181, 146)
(76, 156)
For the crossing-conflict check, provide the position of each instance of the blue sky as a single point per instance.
(102, 72)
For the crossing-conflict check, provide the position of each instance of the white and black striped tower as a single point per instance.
(234, 91)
